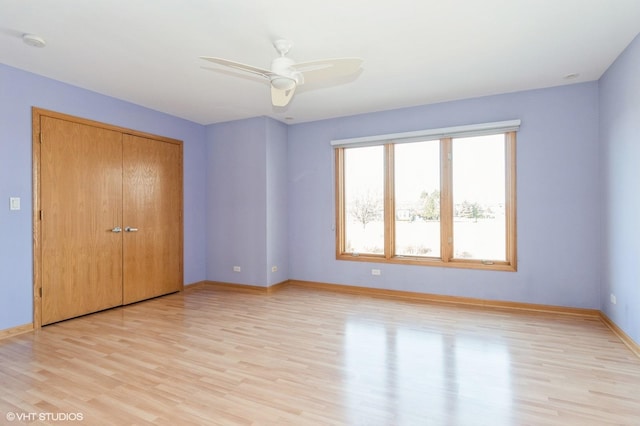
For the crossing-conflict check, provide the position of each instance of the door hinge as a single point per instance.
(41, 214)
(40, 291)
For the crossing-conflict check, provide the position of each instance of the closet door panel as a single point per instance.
(81, 204)
(152, 218)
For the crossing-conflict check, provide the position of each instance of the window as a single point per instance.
(444, 197)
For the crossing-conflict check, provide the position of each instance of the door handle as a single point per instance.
(116, 229)
(130, 229)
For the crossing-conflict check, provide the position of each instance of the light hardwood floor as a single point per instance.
(301, 356)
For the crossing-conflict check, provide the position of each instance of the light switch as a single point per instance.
(14, 203)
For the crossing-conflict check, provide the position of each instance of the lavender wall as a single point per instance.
(559, 242)
(19, 91)
(247, 201)
(620, 139)
(236, 198)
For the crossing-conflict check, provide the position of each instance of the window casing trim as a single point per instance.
(446, 258)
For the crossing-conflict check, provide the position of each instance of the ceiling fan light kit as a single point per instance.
(285, 74)
(283, 83)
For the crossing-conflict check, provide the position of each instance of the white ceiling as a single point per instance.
(415, 51)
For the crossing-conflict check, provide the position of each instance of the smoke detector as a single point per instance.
(34, 40)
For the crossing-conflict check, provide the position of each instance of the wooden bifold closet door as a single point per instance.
(110, 217)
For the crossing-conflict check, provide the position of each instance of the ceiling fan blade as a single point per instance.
(281, 97)
(324, 69)
(238, 66)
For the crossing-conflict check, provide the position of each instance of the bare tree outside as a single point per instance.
(365, 208)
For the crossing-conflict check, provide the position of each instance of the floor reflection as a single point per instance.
(408, 376)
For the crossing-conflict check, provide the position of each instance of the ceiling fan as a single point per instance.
(285, 74)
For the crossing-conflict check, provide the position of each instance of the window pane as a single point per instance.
(479, 227)
(364, 200)
(417, 195)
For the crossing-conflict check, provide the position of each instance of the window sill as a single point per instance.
(421, 261)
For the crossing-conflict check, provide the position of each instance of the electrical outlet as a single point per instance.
(375, 272)
(236, 269)
(274, 269)
(613, 299)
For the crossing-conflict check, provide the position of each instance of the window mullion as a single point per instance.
(389, 203)
(446, 200)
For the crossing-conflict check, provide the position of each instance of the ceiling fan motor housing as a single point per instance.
(286, 77)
